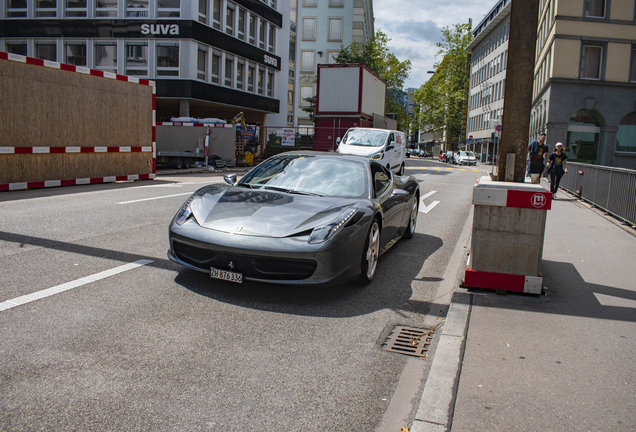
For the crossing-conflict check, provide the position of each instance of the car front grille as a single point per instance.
(248, 265)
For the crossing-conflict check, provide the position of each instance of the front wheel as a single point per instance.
(401, 171)
(370, 253)
(410, 229)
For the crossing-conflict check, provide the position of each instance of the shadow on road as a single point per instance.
(387, 290)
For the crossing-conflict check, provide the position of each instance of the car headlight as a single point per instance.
(324, 233)
(185, 211)
(377, 156)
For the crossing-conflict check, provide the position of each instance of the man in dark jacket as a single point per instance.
(537, 150)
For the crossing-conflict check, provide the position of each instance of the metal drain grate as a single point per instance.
(409, 340)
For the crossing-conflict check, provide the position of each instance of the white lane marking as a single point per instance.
(155, 198)
(429, 194)
(8, 304)
(425, 209)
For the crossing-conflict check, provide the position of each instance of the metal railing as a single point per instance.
(610, 189)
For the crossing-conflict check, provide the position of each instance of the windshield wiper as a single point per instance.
(289, 191)
(247, 185)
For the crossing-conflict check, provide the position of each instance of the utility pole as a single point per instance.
(513, 146)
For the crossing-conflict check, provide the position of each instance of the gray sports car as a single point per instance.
(296, 218)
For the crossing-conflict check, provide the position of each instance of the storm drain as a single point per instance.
(409, 340)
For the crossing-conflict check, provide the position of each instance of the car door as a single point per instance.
(391, 154)
(391, 203)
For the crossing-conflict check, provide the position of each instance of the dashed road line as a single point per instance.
(155, 198)
(8, 304)
(424, 208)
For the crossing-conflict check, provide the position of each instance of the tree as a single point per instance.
(442, 97)
(376, 56)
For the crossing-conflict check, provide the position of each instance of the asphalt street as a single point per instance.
(113, 336)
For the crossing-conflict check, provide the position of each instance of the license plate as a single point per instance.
(226, 275)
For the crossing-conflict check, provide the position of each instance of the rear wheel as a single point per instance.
(178, 163)
(370, 253)
(187, 163)
(410, 229)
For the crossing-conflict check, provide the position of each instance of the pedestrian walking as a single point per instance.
(557, 166)
(537, 150)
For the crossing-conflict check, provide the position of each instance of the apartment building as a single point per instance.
(327, 26)
(209, 58)
(585, 80)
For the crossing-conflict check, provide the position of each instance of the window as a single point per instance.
(46, 51)
(292, 51)
(261, 79)
(15, 47)
(16, 8)
(203, 11)
(251, 76)
(106, 56)
(229, 19)
(331, 56)
(241, 24)
(216, 66)
(75, 53)
(137, 59)
(137, 8)
(309, 28)
(336, 3)
(45, 8)
(307, 61)
(306, 92)
(76, 8)
(626, 136)
(591, 60)
(202, 63)
(106, 8)
(632, 66)
(335, 29)
(169, 8)
(309, 2)
(595, 8)
(270, 83)
(240, 73)
(270, 39)
(583, 135)
(168, 59)
(229, 71)
(216, 14)
(261, 34)
(252, 30)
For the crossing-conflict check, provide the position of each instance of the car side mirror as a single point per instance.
(230, 179)
(391, 145)
(400, 193)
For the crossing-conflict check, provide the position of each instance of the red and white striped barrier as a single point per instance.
(35, 150)
(221, 125)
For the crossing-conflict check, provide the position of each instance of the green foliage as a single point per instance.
(376, 56)
(442, 96)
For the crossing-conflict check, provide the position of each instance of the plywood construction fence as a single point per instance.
(65, 125)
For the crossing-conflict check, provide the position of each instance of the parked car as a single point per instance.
(296, 218)
(465, 158)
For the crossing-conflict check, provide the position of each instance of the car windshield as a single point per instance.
(365, 137)
(470, 154)
(309, 175)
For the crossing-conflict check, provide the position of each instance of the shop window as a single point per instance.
(595, 8)
(106, 56)
(136, 59)
(76, 8)
(75, 53)
(46, 51)
(583, 136)
(626, 135)
(591, 62)
(106, 8)
(46, 8)
(137, 8)
(169, 8)
(168, 59)
(16, 8)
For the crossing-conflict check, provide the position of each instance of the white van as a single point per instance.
(382, 145)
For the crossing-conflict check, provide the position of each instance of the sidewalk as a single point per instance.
(564, 361)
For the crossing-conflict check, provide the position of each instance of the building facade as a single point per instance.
(326, 26)
(209, 58)
(489, 58)
(585, 80)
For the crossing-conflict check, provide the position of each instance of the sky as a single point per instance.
(414, 26)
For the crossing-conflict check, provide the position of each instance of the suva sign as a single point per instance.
(270, 60)
(155, 29)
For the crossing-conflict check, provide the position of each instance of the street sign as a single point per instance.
(470, 137)
(498, 128)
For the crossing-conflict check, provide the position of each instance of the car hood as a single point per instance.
(264, 213)
(358, 150)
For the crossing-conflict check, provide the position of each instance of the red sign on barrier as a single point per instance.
(529, 199)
